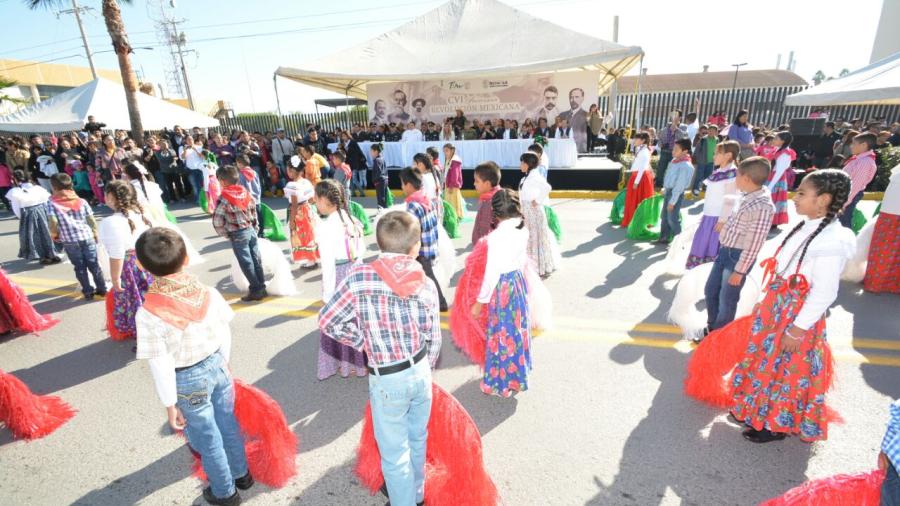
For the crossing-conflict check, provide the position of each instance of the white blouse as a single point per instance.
(781, 165)
(640, 163)
(26, 195)
(186, 347)
(334, 238)
(302, 188)
(116, 235)
(825, 259)
(430, 185)
(716, 194)
(890, 204)
(534, 188)
(154, 193)
(507, 252)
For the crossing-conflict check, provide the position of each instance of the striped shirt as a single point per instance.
(890, 445)
(365, 314)
(861, 169)
(746, 229)
(429, 223)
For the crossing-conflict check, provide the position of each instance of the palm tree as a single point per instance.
(112, 15)
(818, 77)
(844, 72)
(6, 98)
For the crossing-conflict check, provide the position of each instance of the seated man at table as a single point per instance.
(508, 131)
(376, 134)
(392, 133)
(562, 130)
(412, 134)
(432, 132)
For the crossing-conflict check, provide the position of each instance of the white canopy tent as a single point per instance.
(476, 38)
(105, 100)
(878, 83)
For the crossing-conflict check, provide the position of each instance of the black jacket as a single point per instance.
(356, 159)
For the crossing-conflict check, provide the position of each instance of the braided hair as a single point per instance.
(334, 192)
(134, 173)
(126, 201)
(834, 182)
(505, 205)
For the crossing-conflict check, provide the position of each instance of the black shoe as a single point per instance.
(100, 293)
(444, 307)
(89, 296)
(234, 500)
(55, 260)
(763, 436)
(255, 296)
(244, 482)
(662, 241)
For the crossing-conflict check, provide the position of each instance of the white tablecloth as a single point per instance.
(505, 153)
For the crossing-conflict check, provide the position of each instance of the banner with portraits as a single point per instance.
(566, 95)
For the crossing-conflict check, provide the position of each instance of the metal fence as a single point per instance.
(765, 105)
(294, 123)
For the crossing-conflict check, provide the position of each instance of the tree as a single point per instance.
(844, 72)
(818, 77)
(112, 15)
(6, 98)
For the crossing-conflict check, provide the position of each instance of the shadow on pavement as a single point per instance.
(887, 327)
(636, 259)
(78, 366)
(606, 234)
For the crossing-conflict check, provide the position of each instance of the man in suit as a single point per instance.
(507, 130)
(380, 117)
(542, 129)
(562, 130)
(576, 117)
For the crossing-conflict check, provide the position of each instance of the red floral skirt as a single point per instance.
(781, 391)
(634, 197)
(304, 249)
(883, 269)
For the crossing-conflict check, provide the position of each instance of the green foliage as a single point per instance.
(886, 159)
(256, 115)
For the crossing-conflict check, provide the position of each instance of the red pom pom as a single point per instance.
(716, 356)
(30, 416)
(861, 489)
(24, 317)
(454, 471)
(468, 332)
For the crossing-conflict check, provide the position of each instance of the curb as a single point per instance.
(604, 194)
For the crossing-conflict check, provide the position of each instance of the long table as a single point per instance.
(505, 153)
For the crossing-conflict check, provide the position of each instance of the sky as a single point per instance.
(238, 44)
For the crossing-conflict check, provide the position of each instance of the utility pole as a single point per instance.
(737, 67)
(180, 41)
(76, 10)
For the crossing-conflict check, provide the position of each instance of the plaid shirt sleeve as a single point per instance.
(757, 224)
(890, 445)
(338, 317)
(430, 296)
(219, 219)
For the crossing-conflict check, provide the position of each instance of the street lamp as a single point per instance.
(737, 67)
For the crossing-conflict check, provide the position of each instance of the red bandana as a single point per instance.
(400, 272)
(420, 198)
(346, 169)
(682, 158)
(66, 200)
(488, 195)
(237, 196)
(248, 173)
(178, 299)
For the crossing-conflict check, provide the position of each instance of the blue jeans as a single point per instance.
(670, 220)
(196, 177)
(721, 297)
(206, 399)
(846, 218)
(83, 255)
(358, 181)
(381, 189)
(665, 156)
(703, 171)
(890, 488)
(401, 407)
(246, 249)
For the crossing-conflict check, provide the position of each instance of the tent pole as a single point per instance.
(277, 100)
(637, 123)
(347, 105)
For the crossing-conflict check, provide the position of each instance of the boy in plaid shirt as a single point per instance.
(889, 459)
(72, 223)
(419, 205)
(389, 309)
(741, 235)
(235, 219)
(183, 331)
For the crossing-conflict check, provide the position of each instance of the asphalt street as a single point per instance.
(605, 421)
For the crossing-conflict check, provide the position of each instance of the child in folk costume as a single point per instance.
(211, 183)
(314, 164)
(784, 363)
(861, 168)
(421, 206)
(249, 179)
(235, 219)
(544, 163)
(28, 203)
(438, 167)
(96, 183)
(487, 183)
(341, 246)
(534, 191)
(72, 224)
(640, 183)
(883, 267)
(400, 381)
(781, 157)
(677, 179)
(721, 190)
(118, 234)
(183, 331)
(342, 173)
(504, 291)
(454, 180)
(431, 182)
(301, 219)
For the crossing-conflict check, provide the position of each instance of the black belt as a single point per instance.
(402, 366)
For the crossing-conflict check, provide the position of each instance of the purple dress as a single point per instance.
(335, 357)
(705, 246)
(135, 283)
